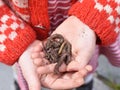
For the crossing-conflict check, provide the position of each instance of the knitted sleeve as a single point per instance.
(102, 16)
(15, 35)
(112, 52)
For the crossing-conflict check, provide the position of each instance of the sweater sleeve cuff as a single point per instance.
(12, 49)
(93, 14)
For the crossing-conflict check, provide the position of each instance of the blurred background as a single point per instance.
(107, 77)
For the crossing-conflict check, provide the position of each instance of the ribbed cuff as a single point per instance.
(96, 20)
(16, 47)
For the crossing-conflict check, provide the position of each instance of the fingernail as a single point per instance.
(89, 68)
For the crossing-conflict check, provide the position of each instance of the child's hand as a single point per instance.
(66, 80)
(29, 69)
(50, 80)
(83, 42)
(82, 38)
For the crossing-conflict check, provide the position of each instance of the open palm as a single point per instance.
(83, 41)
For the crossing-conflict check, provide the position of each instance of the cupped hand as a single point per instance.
(29, 69)
(82, 39)
(49, 79)
(71, 79)
(66, 80)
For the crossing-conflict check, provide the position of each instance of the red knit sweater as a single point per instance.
(20, 24)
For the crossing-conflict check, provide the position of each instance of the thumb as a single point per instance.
(28, 68)
(30, 75)
(32, 81)
(79, 62)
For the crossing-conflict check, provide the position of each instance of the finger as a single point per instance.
(38, 54)
(38, 61)
(89, 68)
(38, 47)
(82, 73)
(62, 68)
(35, 55)
(46, 69)
(81, 59)
(55, 82)
(50, 68)
(42, 54)
(73, 66)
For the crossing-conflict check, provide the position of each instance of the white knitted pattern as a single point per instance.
(109, 10)
(13, 27)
